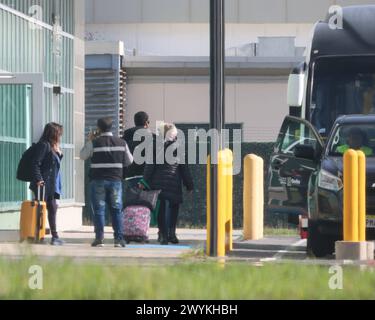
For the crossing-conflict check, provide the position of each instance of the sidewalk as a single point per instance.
(78, 247)
(270, 249)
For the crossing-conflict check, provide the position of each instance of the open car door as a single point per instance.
(295, 156)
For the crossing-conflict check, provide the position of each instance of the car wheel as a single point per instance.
(318, 245)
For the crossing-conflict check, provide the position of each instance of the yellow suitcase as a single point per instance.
(33, 220)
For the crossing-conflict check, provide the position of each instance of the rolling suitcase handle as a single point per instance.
(39, 225)
(44, 193)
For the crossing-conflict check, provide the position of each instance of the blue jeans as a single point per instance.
(104, 192)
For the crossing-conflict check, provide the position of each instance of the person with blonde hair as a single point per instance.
(168, 176)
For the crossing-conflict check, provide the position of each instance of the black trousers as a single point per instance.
(52, 212)
(167, 218)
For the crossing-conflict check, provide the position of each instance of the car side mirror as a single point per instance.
(306, 152)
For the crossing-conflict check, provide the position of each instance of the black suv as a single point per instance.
(305, 176)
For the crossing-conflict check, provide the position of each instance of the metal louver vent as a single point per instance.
(105, 97)
(123, 99)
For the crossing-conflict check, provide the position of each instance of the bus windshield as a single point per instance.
(341, 86)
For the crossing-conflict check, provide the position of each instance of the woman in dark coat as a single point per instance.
(169, 177)
(46, 173)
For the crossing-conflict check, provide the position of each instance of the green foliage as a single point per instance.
(268, 231)
(193, 210)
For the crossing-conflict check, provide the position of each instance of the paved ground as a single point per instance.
(270, 249)
(78, 247)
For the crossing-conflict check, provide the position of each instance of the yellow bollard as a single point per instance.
(208, 207)
(225, 202)
(351, 195)
(354, 246)
(247, 177)
(253, 198)
(229, 211)
(361, 196)
(225, 205)
(222, 203)
(261, 197)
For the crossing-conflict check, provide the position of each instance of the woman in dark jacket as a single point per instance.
(169, 177)
(46, 173)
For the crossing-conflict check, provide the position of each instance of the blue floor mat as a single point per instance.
(157, 246)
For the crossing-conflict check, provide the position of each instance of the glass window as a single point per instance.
(357, 137)
(296, 133)
(341, 86)
(15, 106)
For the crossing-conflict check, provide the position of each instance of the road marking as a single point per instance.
(268, 259)
(281, 253)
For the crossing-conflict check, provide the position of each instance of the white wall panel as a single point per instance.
(187, 102)
(117, 11)
(190, 39)
(230, 102)
(148, 97)
(272, 11)
(241, 34)
(259, 105)
(302, 10)
(262, 107)
(154, 39)
(197, 11)
(165, 10)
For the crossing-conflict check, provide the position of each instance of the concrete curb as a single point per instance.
(348, 250)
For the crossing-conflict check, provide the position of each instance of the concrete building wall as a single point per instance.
(257, 103)
(183, 39)
(171, 28)
(197, 11)
(180, 27)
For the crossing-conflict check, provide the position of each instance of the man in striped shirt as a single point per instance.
(109, 157)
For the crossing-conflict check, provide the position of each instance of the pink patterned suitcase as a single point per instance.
(136, 223)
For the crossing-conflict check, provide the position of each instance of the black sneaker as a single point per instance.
(173, 239)
(97, 243)
(56, 242)
(163, 240)
(120, 244)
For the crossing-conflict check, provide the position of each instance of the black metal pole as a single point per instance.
(217, 107)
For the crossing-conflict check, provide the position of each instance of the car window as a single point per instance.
(294, 133)
(357, 137)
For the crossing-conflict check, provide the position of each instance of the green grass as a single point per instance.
(279, 231)
(269, 231)
(64, 279)
(195, 253)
